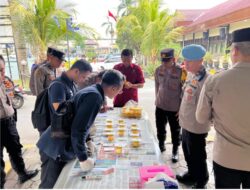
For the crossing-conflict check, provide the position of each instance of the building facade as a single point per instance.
(213, 27)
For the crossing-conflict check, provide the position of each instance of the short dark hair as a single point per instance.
(113, 78)
(127, 52)
(1, 57)
(101, 73)
(82, 65)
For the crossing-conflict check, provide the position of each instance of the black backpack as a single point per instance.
(62, 120)
(40, 116)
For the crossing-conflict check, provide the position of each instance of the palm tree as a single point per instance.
(41, 24)
(109, 29)
(149, 29)
(123, 7)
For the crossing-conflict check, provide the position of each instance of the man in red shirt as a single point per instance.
(134, 79)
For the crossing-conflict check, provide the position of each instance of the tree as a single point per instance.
(123, 7)
(148, 29)
(41, 24)
(109, 29)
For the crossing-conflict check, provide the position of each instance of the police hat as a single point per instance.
(167, 54)
(242, 35)
(49, 50)
(193, 52)
(56, 53)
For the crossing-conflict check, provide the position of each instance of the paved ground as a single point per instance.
(29, 137)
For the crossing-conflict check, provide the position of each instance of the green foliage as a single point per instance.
(35, 21)
(91, 55)
(150, 68)
(147, 29)
(208, 57)
(123, 7)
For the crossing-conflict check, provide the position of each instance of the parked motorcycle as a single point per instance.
(15, 92)
(18, 99)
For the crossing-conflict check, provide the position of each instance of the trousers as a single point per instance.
(11, 141)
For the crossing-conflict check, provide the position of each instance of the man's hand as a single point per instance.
(128, 85)
(105, 108)
(91, 147)
(87, 165)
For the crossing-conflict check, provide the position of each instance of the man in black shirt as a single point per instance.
(87, 103)
(63, 88)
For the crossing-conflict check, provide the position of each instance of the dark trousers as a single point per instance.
(194, 149)
(226, 178)
(162, 117)
(50, 171)
(10, 140)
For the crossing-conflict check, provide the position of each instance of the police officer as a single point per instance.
(168, 86)
(225, 99)
(9, 135)
(193, 134)
(34, 67)
(46, 72)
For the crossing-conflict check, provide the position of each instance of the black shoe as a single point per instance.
(175, 155)
(175, 158)
(186, 178)
(198, 186)
(162, 148)
(28, 175)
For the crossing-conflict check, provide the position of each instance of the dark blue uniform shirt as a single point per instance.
(87, 103)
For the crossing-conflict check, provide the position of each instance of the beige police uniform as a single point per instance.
(191, 92)
(225, 98)
(193, 133)
(44, 75)
(6, 109)
(168, 88)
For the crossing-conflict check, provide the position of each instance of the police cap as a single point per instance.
(166, 54)
(56, 53)
(49, 50)
(242, 35)
(193, 52)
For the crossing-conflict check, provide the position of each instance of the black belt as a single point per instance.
(6, 119)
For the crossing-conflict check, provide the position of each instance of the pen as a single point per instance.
(92, 177)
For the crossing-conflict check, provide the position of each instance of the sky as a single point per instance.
(95, 12)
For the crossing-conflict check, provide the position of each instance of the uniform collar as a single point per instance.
(201, 73)
(242, 64)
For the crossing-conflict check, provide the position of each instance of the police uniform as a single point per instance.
(10, 140)
(193, 133)
(45, 74)
(168, 86)
(225, 99)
